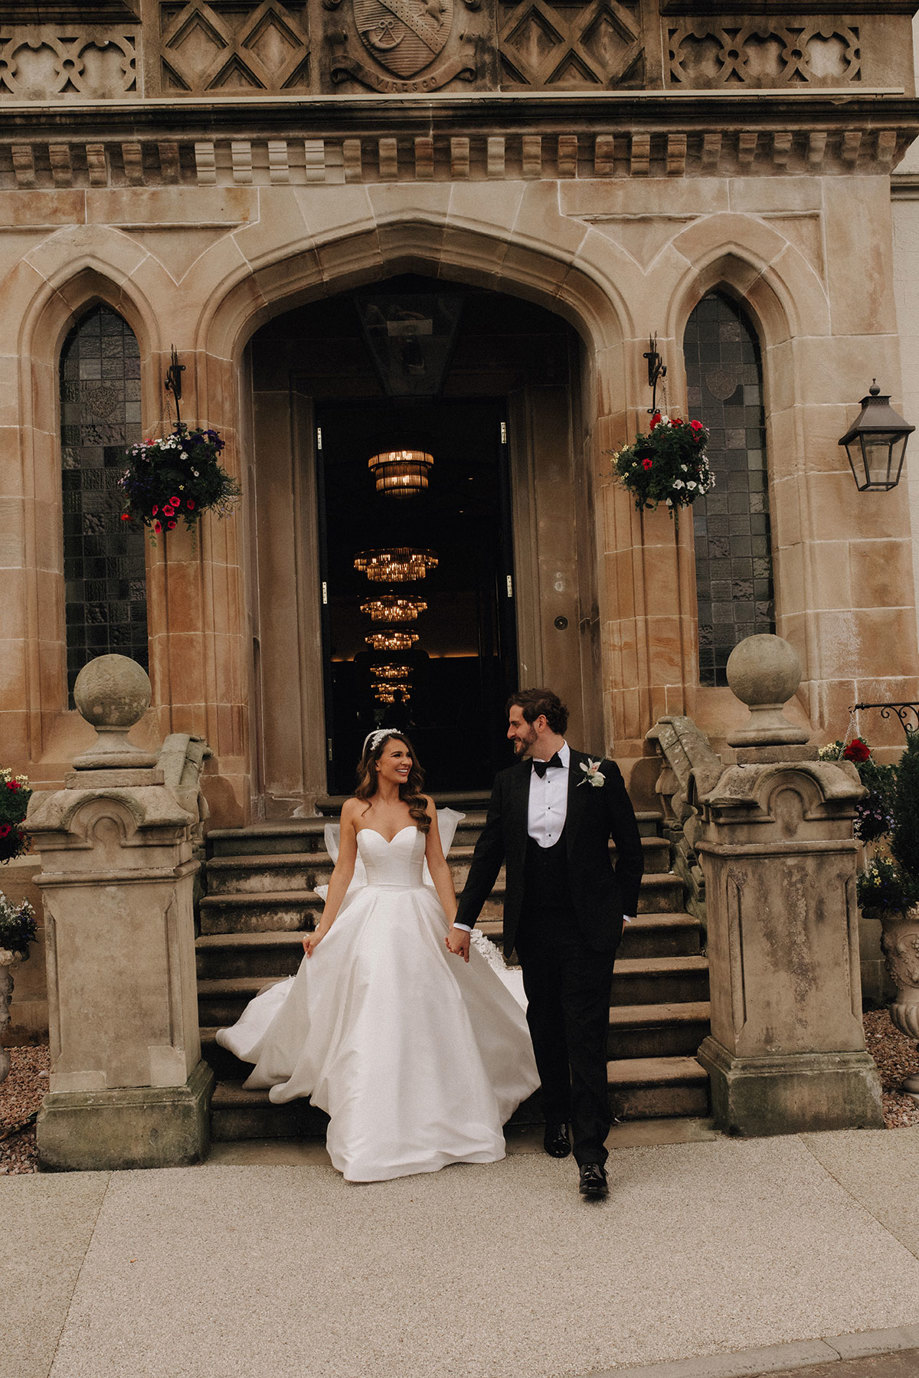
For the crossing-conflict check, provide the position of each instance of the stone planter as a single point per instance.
(900, 944)
(7, 961)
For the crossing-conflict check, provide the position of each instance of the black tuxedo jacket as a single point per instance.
(600, 892)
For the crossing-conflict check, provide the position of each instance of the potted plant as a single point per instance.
(176, 478)
(667, 465)
(17, 932)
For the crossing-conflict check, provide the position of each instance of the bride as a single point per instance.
(417, 1058)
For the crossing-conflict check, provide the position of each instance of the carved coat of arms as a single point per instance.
(404, 35)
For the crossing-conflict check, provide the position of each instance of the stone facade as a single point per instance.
(204, 169)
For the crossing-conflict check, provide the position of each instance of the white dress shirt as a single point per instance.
(548, 805)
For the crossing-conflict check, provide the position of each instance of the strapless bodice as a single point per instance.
(398, 862)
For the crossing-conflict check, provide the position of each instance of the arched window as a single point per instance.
(731, 523)
(104, 570)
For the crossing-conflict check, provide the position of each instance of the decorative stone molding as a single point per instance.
(448, 157)
(184, 50)
(232, 49)
(36, 64)
(544, 46)
(705, 55)
(689, 768)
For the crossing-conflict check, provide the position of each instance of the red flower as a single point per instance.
(5, 829)
(13, 784)
(697, 425)
(154, 512)
(646, 463)
(655, 420)
(676, 420)
(189, 503)
(174, 501)
(157, 526)
(125, 516)
(857, 751)
(170, 526)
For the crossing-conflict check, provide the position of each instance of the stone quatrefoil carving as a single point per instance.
(702, 56)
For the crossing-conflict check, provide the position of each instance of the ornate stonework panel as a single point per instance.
(570, 46)
(402, 45)
(40, 64)
(227, 48)
(705, 55)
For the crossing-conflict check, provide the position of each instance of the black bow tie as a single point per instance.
(541, 767)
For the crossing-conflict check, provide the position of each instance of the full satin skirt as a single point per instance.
(418, 1058)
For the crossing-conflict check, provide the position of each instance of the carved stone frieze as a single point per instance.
(402, 45)
(706, 55)
(221, 48)
(561, 46)
(37, 64)
(446, 157)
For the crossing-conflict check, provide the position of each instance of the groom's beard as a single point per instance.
(522, 748)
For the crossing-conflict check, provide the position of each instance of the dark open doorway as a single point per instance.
(460, 664)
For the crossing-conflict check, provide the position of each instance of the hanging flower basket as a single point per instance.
(174, 479)
(668, 465)
(14, 801)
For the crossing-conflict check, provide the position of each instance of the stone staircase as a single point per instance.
(260, 896)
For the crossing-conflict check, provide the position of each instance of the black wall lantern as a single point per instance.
(876, 443)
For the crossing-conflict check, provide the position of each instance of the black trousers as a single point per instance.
(567, 986)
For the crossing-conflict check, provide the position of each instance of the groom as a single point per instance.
(550, 820)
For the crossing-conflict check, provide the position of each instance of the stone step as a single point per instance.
(278, 872)
(262, 911)
(658, 1088)
(307, 834)
(636, 981)
(666, 1030)
(659, 980)
(648, 1088)
(277, 952)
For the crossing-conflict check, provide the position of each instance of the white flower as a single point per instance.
(592, 774)
(689, 485)
(678, 483)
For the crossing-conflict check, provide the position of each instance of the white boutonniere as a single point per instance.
(592, 774)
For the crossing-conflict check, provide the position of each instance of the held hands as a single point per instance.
(457, 941)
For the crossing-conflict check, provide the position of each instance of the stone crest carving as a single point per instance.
(406, 45)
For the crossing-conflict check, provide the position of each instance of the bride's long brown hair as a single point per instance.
(409, 793)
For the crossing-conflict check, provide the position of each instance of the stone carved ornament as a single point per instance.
(406, 45)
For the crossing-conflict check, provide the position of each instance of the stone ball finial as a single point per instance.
(112, 693)
(764, 672)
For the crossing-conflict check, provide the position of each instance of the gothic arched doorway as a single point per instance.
(485, 384)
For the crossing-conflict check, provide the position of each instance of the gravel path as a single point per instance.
(21, 1094)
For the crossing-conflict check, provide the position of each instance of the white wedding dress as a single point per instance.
(418, 1058)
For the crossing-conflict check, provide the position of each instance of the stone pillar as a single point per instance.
(128, 1087)
(786, 1051)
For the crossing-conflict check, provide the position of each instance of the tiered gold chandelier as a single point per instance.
(399, 564)
(400, 473)
(391, 672)
(399, 692)
(394, 607)
(391, 639)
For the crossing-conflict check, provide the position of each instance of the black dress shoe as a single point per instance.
(556, 1142)
(593, 1181)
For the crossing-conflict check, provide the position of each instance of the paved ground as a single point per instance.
(712, 1258)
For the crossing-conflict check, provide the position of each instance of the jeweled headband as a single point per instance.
(373, 739)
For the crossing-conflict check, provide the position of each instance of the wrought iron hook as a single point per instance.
(173, 381)
(656, 369)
